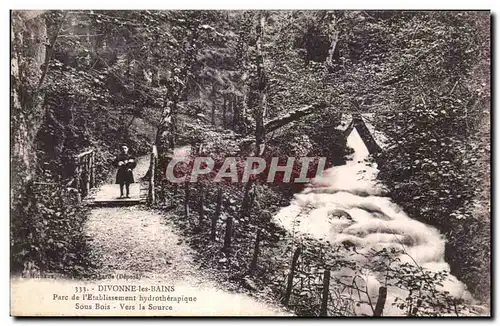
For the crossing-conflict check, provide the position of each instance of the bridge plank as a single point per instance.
(108, 195)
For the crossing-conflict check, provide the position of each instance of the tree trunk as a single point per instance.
(234, 109)
(260, 130)
(239, 112)
(260, 91)
(242, 56)
(162, 139)
(334, 37)
(28, 55)
(173, 127)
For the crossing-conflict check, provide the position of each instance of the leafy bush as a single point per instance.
(47, 232)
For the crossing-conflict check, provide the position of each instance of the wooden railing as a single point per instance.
(153, 165)
(333, 301)
(84, 176)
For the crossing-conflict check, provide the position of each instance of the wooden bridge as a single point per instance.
(142, 191)
(107, 195)
(358, 123)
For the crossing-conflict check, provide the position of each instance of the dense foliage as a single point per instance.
(437, 162)
(47, 235)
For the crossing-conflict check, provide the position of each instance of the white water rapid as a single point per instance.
(348, 205)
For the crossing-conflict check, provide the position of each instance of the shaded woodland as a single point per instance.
(268, 83)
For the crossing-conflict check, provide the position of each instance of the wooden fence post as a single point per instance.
(78, 178)
(324, 297)
(289, 284)
(175, 191)
(224, 110)
(228, 235)
(186, 198)
(92, 170)
(255, 257)
(152, 169)
(83, 177)
(382, 296)
(84, 174)
(216, 216)
(86, 160)
(200, 211)
(245, 204)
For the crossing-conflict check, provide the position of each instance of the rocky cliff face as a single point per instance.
(28, 53)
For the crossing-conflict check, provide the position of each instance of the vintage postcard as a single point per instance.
(319, 163)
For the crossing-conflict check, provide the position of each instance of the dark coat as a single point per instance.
(123, 175)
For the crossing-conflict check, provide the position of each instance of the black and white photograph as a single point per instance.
(251, 163)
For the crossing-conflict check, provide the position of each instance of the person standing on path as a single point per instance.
(125, 164)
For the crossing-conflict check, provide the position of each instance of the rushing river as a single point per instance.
(347, 205)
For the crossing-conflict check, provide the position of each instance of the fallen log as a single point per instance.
(292, 116)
